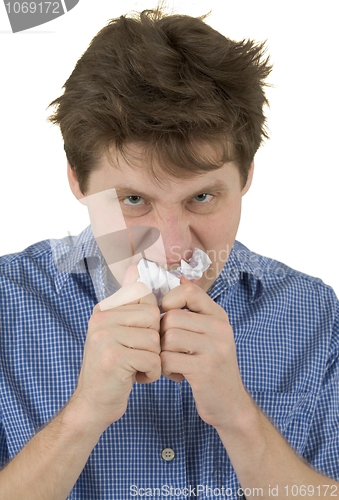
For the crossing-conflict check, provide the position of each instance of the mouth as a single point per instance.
(171, 267)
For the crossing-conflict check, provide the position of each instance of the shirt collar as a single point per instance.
(81, 254)
(242, 266)
(78, 255)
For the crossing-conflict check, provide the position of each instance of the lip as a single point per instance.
(172, 262)
(169, 262)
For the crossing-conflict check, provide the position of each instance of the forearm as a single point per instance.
(265, 464)
(50, 464)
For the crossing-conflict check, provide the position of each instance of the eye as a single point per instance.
(133, 200)
(203, 194)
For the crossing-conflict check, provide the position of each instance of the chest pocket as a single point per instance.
(291, 413)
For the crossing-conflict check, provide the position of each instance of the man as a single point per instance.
(237, 395)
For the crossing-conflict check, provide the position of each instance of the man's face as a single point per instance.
(203, 211)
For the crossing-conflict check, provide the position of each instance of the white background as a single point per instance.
(291, 210)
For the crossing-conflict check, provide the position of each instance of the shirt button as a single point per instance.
(168, 454)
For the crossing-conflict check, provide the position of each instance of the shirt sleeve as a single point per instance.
(322, 449)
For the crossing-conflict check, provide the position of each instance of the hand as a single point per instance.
(122, 346)
(199, 345)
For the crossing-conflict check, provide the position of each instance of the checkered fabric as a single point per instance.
(286, 328)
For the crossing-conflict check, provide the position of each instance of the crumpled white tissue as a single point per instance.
(161, 282)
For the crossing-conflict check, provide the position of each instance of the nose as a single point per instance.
(176, 235)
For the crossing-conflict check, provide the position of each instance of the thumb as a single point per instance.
(96, 308)
(131, 275)
(131, 292)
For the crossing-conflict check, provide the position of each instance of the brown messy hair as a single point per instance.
(170, 83)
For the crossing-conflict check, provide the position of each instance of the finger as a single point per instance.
(175, 377)
(133, 315)
(148, 364)
(176, 340)
(147, 378)
(139, 339)
(133, 293)
(174, 363)
(131, 275)
(194, 298)
(96, 308)
(186, 320)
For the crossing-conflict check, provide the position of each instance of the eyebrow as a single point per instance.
(132, 191)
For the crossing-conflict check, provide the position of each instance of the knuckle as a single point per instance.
(221, 351)
(225, 350)
(190, 289)
(97, 338)
(222, 326)
(154, 311)
(140, 287)
(170, 336)
(156, 361)
(98, 319)
(169, 316)
(109, 358)
(95, 320)
(154, 336)
(155, 372)
(164, 358)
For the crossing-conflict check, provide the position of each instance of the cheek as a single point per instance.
(230, 214)
(217, 236)
(222, 226)
(231, 219)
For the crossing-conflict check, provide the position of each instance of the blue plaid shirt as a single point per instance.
(286, 328)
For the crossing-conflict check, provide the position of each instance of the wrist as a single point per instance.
(79, 420)
(243, 424)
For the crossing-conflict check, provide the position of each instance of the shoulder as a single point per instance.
(278, 280)
(269, 269)
(24, 264)
(48, 261)
(294, 312)
(26, 276)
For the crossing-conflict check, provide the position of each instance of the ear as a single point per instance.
(74, 184)
(249, 179)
